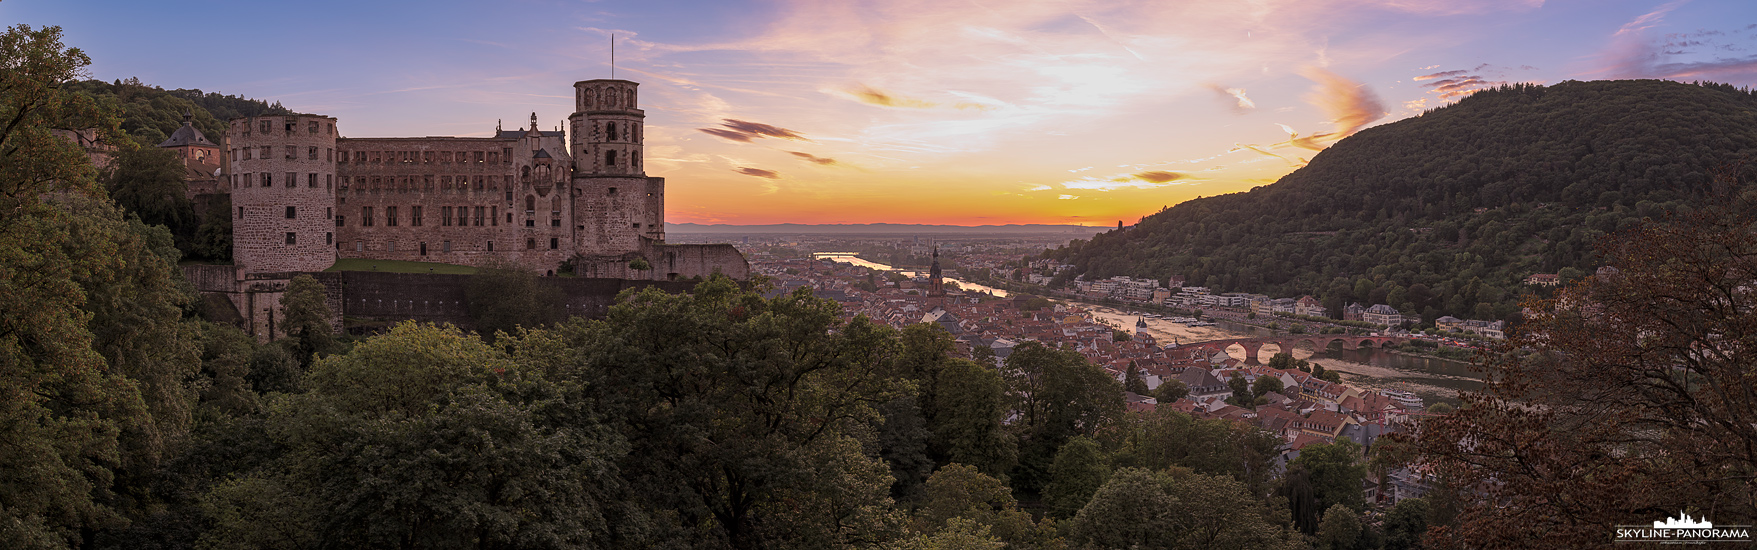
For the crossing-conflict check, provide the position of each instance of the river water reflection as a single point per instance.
(854, 260)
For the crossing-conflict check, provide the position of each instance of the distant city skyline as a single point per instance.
(965, 113)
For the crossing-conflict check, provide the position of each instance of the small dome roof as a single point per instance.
(187, 135)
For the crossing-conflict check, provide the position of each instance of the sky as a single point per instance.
(911, 111)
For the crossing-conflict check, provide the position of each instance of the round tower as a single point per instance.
(283, 192)
(622, 208)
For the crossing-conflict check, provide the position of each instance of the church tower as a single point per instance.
(618, 209)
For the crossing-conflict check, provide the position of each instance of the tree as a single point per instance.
(305, 314)
(425, 437)
(971, 429)
(1340, 530)
(1282, 361)
(1166, 438)
(1622, 398)
(1266, 385)
(1175, 510)
(1241, 391)
(1406, 524)
(959, 492)
(755, 444)
(506, 298)
(1170, 391)
(1336, 472)
(1132, 381)
(148, 182)
(1079, 470)
(1057, 395)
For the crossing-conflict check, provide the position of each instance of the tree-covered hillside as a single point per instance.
(150, 113)
(1448, 212)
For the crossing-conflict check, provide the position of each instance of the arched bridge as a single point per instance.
(1319, 342)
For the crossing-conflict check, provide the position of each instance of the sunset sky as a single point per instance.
(946, 111)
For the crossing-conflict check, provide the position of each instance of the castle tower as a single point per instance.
(283, 193)
(618, 209)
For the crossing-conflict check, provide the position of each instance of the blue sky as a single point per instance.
(913, 111)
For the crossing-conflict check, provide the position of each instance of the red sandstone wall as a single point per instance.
(300, 148)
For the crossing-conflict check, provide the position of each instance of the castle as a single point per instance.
(304, 197)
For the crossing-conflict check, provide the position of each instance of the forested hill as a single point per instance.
(1446, 213)
(150, 113)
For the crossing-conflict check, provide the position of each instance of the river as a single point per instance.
(1434, 379)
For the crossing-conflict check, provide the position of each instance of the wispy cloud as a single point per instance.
(814, 159)
(758, 172)
(1236, 97)
(745, 131)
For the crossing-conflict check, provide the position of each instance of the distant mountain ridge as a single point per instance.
(877, 228)
(1448, 212)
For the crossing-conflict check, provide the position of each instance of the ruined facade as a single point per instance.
(532, 198)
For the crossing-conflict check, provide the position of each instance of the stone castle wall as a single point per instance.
(283, 192)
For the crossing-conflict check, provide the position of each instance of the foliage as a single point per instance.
(1340, 529)
(150, 114)
(1391, 214)
(1133, 382)
(970, 429)
(1166, 438)
(1057, 394)
(1406, 524)
(1266, 385)
(1335, 472)
(1141, 509)
(148, 182)
(1170, 391)
(1080, 468)
(959, 492)
(305, 314)
(1629, 398)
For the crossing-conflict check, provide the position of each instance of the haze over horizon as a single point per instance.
(957, 113)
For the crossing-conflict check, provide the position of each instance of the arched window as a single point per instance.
(530, 203)
(610, 131)
(634, 160)
(610, 158)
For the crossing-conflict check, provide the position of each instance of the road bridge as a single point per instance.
(1319, 342)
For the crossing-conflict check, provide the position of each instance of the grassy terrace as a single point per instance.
(399, 266)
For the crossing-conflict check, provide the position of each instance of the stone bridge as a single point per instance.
(1319, 342)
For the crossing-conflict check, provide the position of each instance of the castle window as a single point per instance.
(240, 212)
(328, 212)
(494, 216)
(265, 126)
(637, 225)
(445, 216)
(479, 212)
(247, 152)
(365, 216)
(341, 221)
(530, 204)
(479, 155)
(330, 127)
(478, 183)
(267, 152)
(493, 157)
(292, 150)
(292, 212)
(390, 246)
(506, 155)
(610, 158)
(311, 180)
(329, 238)
(490, 246)
(328, 154)
(390, 216)
(268, 179)
(463, 216)
(359, 246)
(554, 243)
(509, 218)
(530, 244)
(634, 160)
(359, 157)
(312, 128)
(292, 238)
(445, 246)
(554, 223)
(311, 152)
(377, 157)
(415, 216)
(329, 181)
(530, 223)
(612, 191)
(610, 130)
(247, 180)
(423, 248)
(427, 157)
(445, 182)
(292, 179)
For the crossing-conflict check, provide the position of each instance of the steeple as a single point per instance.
(936, 285)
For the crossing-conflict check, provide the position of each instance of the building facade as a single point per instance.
(527, 198)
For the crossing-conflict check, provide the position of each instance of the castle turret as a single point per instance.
(623, 205)
(283, 193)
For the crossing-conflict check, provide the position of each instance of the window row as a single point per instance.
(288, 152)
(404, 184)
(292, 213)
(611, 131)
(503, 156)
(267, 126)
(461, 216)
(420, 247)
(632, 159)
(288, 179)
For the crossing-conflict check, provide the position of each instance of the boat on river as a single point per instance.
(1404, 398)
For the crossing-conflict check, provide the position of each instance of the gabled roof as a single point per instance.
(187, 135)
(541, 154)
